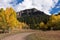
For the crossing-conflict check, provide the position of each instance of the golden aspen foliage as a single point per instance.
(11, 18)
(54, 21)
(42, 25)
(8, 19)
(53, 18)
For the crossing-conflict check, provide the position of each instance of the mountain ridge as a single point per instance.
(32, 10)
(33, 14)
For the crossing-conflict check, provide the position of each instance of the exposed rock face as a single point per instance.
(32, 11)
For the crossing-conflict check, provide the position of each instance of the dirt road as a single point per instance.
(20, 36)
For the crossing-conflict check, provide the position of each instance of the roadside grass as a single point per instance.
(3, 35)
(44, 35)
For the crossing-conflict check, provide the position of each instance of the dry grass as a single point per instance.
(44, 35)
(3, 35)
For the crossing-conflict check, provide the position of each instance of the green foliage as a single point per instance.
(8, 20)
(33, 20)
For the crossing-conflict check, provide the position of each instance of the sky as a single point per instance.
(47, 6)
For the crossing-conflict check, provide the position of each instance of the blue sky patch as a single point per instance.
(56, 9)
(15, 2)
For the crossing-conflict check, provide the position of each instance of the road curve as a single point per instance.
(20, 36)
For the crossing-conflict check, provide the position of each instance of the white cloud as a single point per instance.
(24, 5)
(43, 5)
(6, 3)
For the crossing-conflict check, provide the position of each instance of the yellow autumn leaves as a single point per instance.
(8, 19)
(53, 22)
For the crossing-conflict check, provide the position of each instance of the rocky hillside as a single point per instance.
(30, 12)
(32, 17)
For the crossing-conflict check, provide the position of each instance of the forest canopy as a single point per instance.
(8, 20)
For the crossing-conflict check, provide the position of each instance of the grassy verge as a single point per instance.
(3, 35)
(44, 35)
